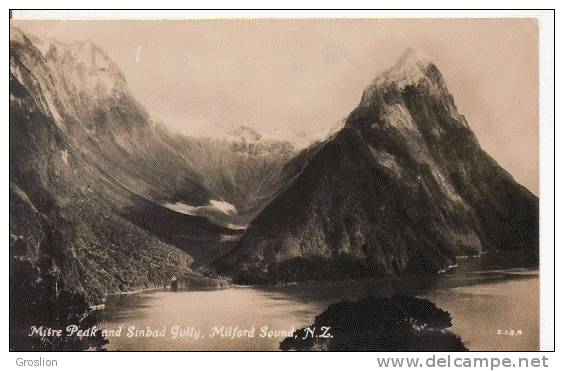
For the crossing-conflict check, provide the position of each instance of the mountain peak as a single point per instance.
(245, 133)
(410, 68)
(413, 56)
(81, 64)
(404, 187)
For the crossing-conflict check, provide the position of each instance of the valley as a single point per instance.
(105, 199)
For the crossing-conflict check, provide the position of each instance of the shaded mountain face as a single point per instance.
(92, 178)
(81, 166)
(78, 136)
(403, 187)
(243, 173)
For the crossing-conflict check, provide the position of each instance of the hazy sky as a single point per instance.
(308, 74)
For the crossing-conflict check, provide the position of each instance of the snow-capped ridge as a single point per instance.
(411, 69)
(299, 139)
(79, 65)
(413, 56)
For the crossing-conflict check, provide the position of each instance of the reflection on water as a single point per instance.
(486, 315)
(198, 313)
(488, 297)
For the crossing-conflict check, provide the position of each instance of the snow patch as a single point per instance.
(301, 139)
(204, 211)
(447, 269)
(388, 161)
(410, 70)
(224, 207)
(181, 207)
(397, 115)
(202, 128)
(444, 184)
(65, 156)
(229, 237)
(237, 226)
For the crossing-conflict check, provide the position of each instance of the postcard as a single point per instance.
(274, 184)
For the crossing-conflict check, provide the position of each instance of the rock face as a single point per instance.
(77, 133)
(86, 164)
(65, 200)
(242, 168)
(403, 187)
(103, 199)
(98, 187)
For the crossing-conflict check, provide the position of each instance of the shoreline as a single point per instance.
(468, 304)
(515, 272)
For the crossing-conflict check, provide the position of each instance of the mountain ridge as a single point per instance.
(401, 185)
(104, 125)
(420, 192)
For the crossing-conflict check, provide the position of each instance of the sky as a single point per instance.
(308, 74)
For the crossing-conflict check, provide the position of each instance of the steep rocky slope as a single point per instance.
(403, 187)
(194, 193)
(244, 171)
(105, 200)
(80, 165)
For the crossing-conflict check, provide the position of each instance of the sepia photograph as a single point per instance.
(274, 184)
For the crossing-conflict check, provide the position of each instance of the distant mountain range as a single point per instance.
(403, 187)
(298, 139)
(102, 193)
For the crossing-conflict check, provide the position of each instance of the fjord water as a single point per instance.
(493, 308)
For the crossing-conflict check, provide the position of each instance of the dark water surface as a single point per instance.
(494, 304)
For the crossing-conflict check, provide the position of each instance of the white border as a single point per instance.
(546, 177)
(254, 14)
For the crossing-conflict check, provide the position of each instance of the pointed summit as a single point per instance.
(413, 68)
(408, 70)
(413, 57)
(403, 187)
